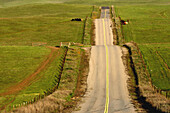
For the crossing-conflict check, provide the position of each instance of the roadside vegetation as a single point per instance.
(74, 76)
(149, 28)
(65, 98)
(90, 27)
(147, 38)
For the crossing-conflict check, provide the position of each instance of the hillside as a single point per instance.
(27, 71)
(25, 23)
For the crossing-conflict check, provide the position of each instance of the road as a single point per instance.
(107, 88)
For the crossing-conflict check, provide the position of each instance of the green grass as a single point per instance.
(45, 82)
(148, 24)
(21, 25)
(17, 63)
(149, 28)
(50, 24)
(41, 83)
(156, 64)
(165, 53)
(11, 3)
(71, 71)
(28, 21)
(117, 2)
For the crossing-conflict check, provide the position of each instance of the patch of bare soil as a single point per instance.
(13, 90)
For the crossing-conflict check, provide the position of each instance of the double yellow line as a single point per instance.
(107, 70)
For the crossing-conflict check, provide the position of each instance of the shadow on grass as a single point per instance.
(142, 100)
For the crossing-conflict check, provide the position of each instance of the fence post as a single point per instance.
(34, 99)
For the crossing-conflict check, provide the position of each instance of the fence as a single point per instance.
(165, 92)
(51, 90)
(39, 43)
(84, 29)
(114, 27)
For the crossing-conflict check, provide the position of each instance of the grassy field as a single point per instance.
(118, 2)
(21, 26)
(149, 28)
(148, 24)
(51, 24)
(45, 80)
(157, 57)
(22, 67)
(16, 63)
(11, 3)
(23, 22)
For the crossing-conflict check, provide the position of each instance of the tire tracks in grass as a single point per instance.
(13, 90)
(18, 87)
(7, 99)
(163, 60)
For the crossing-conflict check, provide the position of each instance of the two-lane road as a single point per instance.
(107, 89)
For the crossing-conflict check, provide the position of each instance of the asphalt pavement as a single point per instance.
(107, 88)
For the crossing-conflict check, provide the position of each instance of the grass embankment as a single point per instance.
(23, 25)
(71, 70)
(89, 27)
(148, 27)
(74, 76)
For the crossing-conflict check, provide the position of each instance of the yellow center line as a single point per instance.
(107, 71)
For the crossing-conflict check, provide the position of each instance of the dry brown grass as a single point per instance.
(51, 103)
(149, 98)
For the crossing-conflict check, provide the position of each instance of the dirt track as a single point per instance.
(32, 78)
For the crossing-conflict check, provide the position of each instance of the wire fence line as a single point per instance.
(146, 66)
(50, 90)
